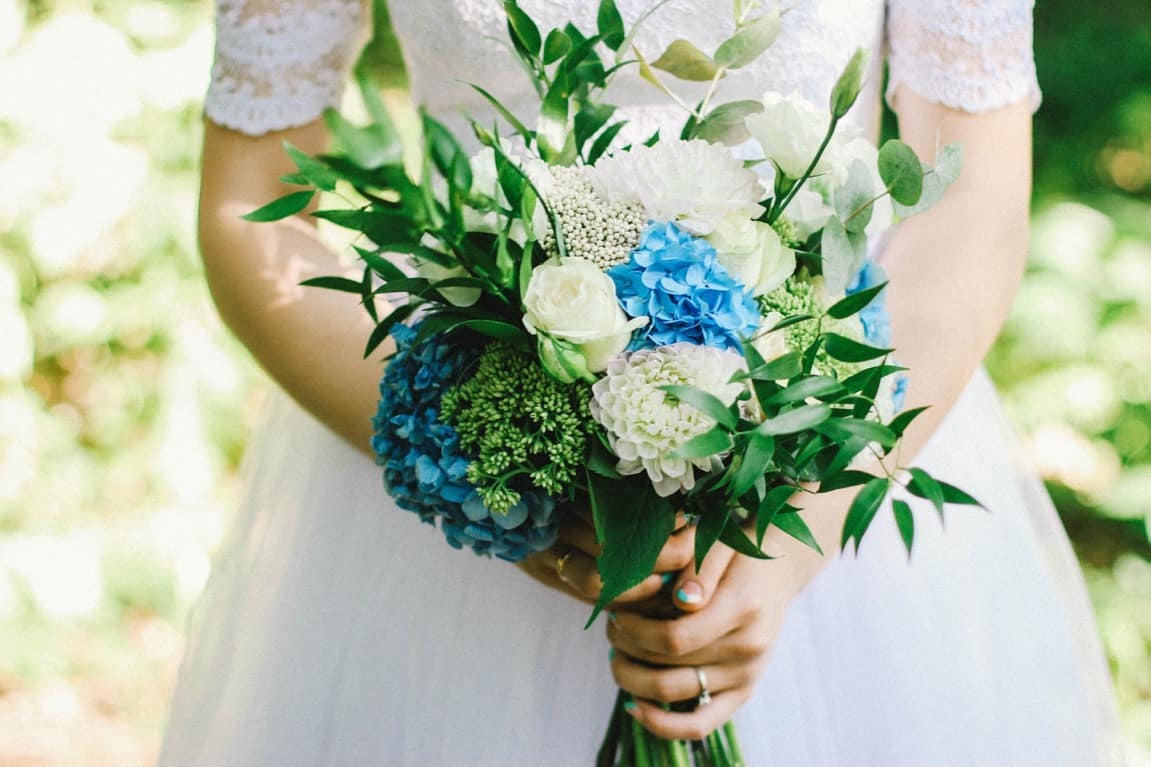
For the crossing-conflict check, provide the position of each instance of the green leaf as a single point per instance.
(844, 479)
(315, 171)
(381, 331)
(952, 494)
(704, 402)
(380, 226)
(342, 284)
(683, 60)
(602, 462)
(734, 537)
(781, 368)
(843, 429)
(369, 147)
(380, 265)
(603, 141)
(773, 501)
(288, 205)
(863, 510)
(855, 303)
(900, 423)
(524, 31)
(504, 112)
(905, 521)
(498, 329)
(821, 387)
(846, 349)
(901, 171)
(791, 523)
(447, 154)
(850, 82)
(589, 119)
(793, 319)
(707, 531)
(948, 164)
(556, 46)
(859, 381)
(712, 442)
(725, 123)
(753, 463)
(636, 525)
(750, 41)
(610, 24)
(925, 486)
(792, 421)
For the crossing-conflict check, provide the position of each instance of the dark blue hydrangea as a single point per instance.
(424, 469)
(676, 280)
(875, 318)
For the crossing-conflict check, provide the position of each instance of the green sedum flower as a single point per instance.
(803, 294)
(524, 427)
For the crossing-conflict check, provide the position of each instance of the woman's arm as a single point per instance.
(954, 272)
(309, 340)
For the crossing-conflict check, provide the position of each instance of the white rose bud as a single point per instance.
(790, 130)
(752, 252)
(574, 301)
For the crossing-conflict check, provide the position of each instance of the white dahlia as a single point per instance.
(645, 425)
(693, 183)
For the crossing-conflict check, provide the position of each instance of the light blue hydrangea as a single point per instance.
(875, 318)
(676, 280)
(424, 468)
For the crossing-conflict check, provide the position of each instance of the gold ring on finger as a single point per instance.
(562, 562)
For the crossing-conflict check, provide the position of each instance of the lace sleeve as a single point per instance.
(280, 63)
(973, 55)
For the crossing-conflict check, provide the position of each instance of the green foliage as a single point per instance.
(545, 447)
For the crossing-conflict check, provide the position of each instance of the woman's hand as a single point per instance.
(570, 565)
(731, 613)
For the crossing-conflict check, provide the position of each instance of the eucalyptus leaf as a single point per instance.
(948, 164)
(725, 124)
(854, 200)
(683, 60)
(842, 254)
(901, 170)
(750, 41)
(905, 521)
(282, 207)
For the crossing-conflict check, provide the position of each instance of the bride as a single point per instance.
(338, 631)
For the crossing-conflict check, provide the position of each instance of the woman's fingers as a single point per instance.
(679, 551)
(693, 591)
(672, 684)
(691, 725)
(671, 639)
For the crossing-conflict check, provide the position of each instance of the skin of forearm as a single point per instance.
(309, 340)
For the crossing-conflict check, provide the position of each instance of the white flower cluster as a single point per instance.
(693, 183)
(645, 425)
(602, 232)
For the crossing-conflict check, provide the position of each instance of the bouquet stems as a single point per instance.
(628, 744)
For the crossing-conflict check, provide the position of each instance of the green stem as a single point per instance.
(607, 749)
(733, 745)
(679, 754)
(779, 208)
(639, 740)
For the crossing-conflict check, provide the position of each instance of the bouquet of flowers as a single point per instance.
(639, 329)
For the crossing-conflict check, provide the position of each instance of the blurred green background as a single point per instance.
(124, 406)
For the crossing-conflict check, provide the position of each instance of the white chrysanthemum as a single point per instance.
(644, 424)
(694, 183)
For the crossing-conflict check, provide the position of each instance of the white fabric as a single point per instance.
(337, 631)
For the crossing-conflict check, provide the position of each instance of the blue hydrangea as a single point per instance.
(875, 318)
(676, 280)
(424, 468)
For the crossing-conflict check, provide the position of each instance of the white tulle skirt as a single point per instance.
(338, 631)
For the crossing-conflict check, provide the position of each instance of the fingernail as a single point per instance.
(611, 654)
(689, 593)
(665, 578)
(630, 706)
(611, 617)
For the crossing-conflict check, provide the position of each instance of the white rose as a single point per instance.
(574, 301)
(752, 252)
(808, 212)
(770, 345)
(790, 130)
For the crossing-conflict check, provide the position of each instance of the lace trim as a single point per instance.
(280, 63)
(973, 55)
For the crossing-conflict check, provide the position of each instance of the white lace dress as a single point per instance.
(337, 631)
